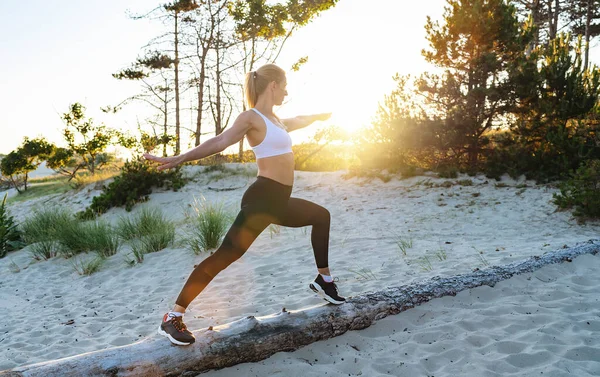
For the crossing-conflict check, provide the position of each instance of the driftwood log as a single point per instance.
(252, 339)
(225, 188)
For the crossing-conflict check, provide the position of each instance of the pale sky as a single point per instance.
(60, 52)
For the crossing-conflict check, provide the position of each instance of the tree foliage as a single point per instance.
(474, 46)
(85, 140)
(18, 163)
(10, 236)
(498, 104)
(551, 116)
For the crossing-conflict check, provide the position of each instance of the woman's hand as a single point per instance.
(165, 162)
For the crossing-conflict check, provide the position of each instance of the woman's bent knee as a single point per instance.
(323, 216)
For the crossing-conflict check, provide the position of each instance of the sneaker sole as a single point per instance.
(317, 289)
(173, 340)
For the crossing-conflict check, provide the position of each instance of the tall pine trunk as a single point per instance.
(588, 20)
(165, 131)
(177, 124)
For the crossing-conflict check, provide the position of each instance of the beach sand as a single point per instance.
(454, 228)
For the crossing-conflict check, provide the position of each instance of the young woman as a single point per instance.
(266, 201)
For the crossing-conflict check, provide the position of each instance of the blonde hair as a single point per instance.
(257, 82)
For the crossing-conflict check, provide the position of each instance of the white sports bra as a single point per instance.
(277, 140)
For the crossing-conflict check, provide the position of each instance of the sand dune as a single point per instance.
(453, 229)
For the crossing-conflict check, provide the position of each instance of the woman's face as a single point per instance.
(280, 91)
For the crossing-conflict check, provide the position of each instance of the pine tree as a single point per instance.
(475, 47)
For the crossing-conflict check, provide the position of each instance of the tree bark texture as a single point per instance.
(252, 339)
(176, 63)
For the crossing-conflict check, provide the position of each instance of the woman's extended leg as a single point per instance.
(245, 229)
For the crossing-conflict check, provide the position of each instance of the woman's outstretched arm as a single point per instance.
(217, 144)
(302, 121)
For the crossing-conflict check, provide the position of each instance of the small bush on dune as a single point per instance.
(582, 191)
(133, 186)
(10, 236)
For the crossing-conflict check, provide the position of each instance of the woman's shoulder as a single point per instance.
(251, 117)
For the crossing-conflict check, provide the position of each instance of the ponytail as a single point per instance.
(257, 81)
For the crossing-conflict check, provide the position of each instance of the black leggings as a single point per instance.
(265, 202)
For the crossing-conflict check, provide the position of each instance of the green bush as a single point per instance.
(560, 150)
(448, 171)
(582, 191)
(10, 236)
(132, 186)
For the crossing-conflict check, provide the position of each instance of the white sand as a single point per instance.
(544, 323)
(119, 305)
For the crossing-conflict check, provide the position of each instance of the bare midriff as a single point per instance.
(279, 168)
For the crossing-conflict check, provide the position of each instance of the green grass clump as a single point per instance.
(148, 230)
(56, 231)
(151, 243)
(209, 225)
(425, 263)
(44, 250)
(102, 238)
(45, 224)
(363, 274)
(403, 244)
(148, 221)
(87, 267)
(481, 257)
(73, 237)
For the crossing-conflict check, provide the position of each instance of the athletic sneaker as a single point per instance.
(174, 329)
(326, 290)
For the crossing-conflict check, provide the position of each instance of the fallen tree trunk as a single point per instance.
(252, 339)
